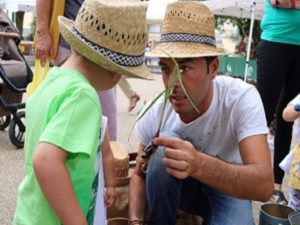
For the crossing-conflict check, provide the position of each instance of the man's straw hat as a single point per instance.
(111, 33)
(188, 31)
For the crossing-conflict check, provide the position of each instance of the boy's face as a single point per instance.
(197, 81)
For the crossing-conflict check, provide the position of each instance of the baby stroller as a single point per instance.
(15, 75)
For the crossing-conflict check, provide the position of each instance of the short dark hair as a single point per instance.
(209, 59)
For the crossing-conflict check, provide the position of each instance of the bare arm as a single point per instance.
(43, 44)
(290, 114)
(137, 190)
(251, 180)
(55, 182)
(109, 172)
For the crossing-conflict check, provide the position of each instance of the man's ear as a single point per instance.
(214, 67)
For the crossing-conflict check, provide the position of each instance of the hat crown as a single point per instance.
(190, 18)
(188, 31)
(96, 22)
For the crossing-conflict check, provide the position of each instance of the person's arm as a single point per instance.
(251, 180)
(109, 172)
(290, 114)
(137, 190)
(55, 182)
(43, 43)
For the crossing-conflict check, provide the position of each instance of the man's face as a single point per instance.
(197, 81)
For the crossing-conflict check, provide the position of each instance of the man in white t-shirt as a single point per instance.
(212, 158)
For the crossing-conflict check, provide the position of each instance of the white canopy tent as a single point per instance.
(251, 9)
(18, 5)
(237, 8)
(156, 9)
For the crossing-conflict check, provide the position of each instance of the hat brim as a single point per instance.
(65, 26)
(185, 50)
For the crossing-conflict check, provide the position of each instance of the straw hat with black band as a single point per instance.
(110, 33)
(188, 31)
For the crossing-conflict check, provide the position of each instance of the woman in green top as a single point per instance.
(278, 77)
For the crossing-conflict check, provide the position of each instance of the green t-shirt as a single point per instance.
(65, 112)
(281, 25)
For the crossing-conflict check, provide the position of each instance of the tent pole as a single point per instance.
(253, 5)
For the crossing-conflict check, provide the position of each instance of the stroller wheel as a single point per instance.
(16, 130)
(4, 122)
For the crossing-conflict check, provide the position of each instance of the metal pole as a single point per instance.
(249, 39)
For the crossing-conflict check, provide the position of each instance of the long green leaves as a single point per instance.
(178, 72)
(175, 75)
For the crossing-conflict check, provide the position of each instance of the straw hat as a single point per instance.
(111, 33)
(188, 31)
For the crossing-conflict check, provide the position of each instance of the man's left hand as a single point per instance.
(180, 156)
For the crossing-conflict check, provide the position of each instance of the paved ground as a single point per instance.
(11, 160)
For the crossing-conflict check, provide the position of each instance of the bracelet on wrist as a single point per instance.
(137, 222)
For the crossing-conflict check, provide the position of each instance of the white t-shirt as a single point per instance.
(236, 112)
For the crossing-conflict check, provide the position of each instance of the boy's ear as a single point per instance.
(115, 76)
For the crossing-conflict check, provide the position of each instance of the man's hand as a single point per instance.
(44, 47)
(180, 156)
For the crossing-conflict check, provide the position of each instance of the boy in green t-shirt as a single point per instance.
(63, 116)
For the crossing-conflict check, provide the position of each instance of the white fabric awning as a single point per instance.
(156, 9)
(236, 8)
(18, 5)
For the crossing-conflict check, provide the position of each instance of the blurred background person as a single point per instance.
(278, 78)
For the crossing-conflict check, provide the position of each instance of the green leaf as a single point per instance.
(174, 76)
(149, 106)
(176, 71)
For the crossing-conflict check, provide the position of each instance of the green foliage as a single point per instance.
(33, 25)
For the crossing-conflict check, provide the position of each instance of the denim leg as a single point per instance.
(163, 191)
(226, 210)
(167, 194)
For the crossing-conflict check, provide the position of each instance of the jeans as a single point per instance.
(166, 194)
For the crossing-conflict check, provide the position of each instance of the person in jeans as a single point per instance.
(212, 156)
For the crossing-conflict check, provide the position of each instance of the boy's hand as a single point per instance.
(297, 107)
(110, 196)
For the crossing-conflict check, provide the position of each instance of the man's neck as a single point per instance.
(202, 108)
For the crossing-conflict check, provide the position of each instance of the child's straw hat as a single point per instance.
(111, 33)
(188, 31)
